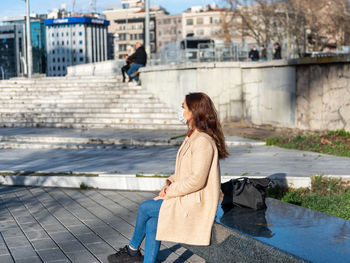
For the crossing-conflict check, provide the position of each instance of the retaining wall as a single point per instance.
(307, 94)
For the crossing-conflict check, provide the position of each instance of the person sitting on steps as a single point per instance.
(185, 208)
(128, 61)
(140, 60)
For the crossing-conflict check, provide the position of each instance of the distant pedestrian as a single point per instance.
(263, 53)
(140, 60)
(277, 51)
(254, 54)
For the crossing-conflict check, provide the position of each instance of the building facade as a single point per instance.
(128, 27)
(168, 29)
(203, 21)
(38, 37)
(12, 51)
(73, 41)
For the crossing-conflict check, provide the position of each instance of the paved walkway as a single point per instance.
(123, 158)
(64, 225)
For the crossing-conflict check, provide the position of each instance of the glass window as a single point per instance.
(80, 51)
(63, 59)
(199, 21)
(73, 33)
(62, 43)
(80, 42)
(80, 33)
(73, 42)
(62, 34)
(74, 59)
(58, 60)
(81, 59)
(53, 43)
(58, 68)
(54, 68)
(189, 21)
(53, 60)
(53, 51)
(58, 43)
(53, 34)
(67, 34)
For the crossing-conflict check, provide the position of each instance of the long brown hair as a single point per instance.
(205, 119)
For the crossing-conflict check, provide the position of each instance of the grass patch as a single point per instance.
(327, 195)
(31, 173)
(333, 142)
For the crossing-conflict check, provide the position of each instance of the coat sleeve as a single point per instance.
(201, 160)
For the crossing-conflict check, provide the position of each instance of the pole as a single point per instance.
(147, 36)
(29, 44)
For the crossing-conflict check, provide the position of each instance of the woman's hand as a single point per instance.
(162, 193)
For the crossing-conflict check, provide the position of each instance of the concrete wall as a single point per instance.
(311, 94)
(323, 96)
(256, 92)
(108, 68)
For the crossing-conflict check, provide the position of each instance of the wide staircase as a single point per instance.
(82, 102)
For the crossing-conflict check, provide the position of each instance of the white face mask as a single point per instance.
(180, 115)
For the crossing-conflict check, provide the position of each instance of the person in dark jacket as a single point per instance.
(254, 54)
(263, 53)
(277, 51)
(140, 60)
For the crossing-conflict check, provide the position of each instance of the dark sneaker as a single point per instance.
(123, 256)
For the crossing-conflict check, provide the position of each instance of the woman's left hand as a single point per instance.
(158, 198)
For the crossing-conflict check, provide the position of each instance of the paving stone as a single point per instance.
(5, 225)
(6, 259)
(3, 249)
(71, 246)
(79, 257)
(62, 236)
(14, 242)
(29, 260)
(43, 244)
(88, 238)
(25, 219)
(33, 235)
(54, 228)
(22, 252)
(49, 255)
(12, 232)
(99, 248)
(79, 229)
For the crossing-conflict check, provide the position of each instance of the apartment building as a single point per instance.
(168, 29)
(203, 21)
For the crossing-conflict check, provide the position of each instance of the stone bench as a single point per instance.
(281, 233)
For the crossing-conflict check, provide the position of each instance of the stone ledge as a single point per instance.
(144, 182)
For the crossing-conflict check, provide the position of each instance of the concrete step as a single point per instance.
(84, 120)
(146, 126)
(82, 102)
(81, 96)
(122, 109)
(119, 115)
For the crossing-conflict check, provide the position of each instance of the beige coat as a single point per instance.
(188, 210)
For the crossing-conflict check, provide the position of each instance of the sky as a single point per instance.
(18, 7)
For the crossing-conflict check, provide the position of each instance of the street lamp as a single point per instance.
(29, 43)
(147, 37)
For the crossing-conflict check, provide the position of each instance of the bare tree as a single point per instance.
(304, 24)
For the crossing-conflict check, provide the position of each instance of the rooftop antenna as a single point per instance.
(93, 5)
(73, 6)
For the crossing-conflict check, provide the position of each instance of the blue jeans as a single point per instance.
(133, 68)
(146, 225)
